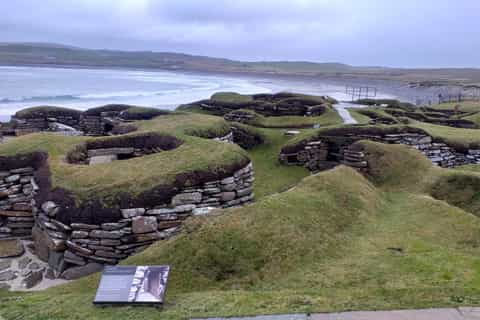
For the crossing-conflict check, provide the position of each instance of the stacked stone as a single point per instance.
(239, 116)
(314, 153)
(29, 125)
(473, 156)
(82, 247)
(227, 138)
(92, 125)
(17, 188)
(354, 159)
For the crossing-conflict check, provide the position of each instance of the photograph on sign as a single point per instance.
(132, 285)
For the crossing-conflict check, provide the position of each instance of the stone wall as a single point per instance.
(326, 152)
(75, 249)
(17, 189)
(45, 123)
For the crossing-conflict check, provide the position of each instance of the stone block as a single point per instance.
(144, 224)
(186, 198)
(82, 271)
(133, 212)
(102, 234)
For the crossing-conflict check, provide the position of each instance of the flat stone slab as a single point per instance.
(11, 248)
(102, 159)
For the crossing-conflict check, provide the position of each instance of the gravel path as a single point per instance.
(464, 313)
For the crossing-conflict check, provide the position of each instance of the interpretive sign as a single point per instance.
(132, 285)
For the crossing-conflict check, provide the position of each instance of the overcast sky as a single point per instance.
(405, 33)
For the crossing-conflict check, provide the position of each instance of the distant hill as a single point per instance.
(46, 54)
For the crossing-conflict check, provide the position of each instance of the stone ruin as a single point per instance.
(122, 148)
(69, 245)
(327, 151)
(101, 121)
(270, 105)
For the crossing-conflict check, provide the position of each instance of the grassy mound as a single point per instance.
(47, 112)
(336, 241)
(136, 176)
(281, 110)
(458, 138)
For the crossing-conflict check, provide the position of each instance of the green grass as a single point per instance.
(337, 241)
(465, 106)
(231, 97)
(106, 181)
(330, 117)
(50, 111)
(272, 177)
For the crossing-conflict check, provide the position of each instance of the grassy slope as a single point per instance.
(135, 175)
(270, 175)
(324, 245)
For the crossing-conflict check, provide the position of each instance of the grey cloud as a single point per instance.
(363, 32)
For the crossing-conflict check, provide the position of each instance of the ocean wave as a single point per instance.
(39, 98)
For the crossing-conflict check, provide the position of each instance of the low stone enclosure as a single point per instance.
(122, 148)
(269, 105)
(94, 122)
(77, 239)
(332, 147)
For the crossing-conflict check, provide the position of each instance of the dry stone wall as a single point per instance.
(17, 190)
(76, 249)
(326, 152)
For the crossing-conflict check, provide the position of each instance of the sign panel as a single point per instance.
(132, 285)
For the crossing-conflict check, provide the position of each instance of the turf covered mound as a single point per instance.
(126, 112)
(336, 241)
(393, 111)
(47, 112)
(141, 180)
(269, 105)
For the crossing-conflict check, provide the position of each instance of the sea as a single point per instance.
(79, 88)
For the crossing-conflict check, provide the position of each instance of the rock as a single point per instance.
(203, 211)
(244, 192)
(292, 132)
(186, 198)
(114, 225)
(41, 241)
(79, 234)
(110, 242)
(79, 250)
(22, 170)
(72, 258)
(5, 264)
(227, 196)
(184, 208)
(83, 226)
(16, 213)
(49, 208)
(11, 248)
(82, 271)
(228, 180)
(102, 159)
(144, 224)
(109, 254)
(56, 260)
(33, 278)
(56, 244)
(106, 234)
(60, 226)
(160, 212)
(7, 275)
(57, 234)
(134, 212)
(22, 207)
(34, 266)
(12, 178)
(49, 274)
(23, 262)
